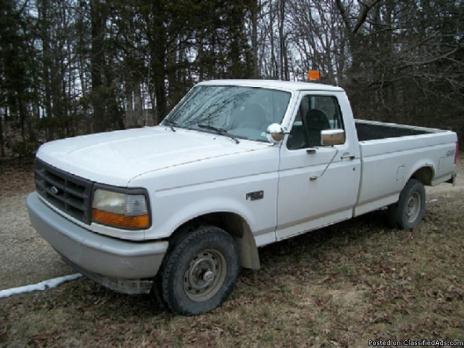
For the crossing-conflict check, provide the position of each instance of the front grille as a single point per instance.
(63, 190)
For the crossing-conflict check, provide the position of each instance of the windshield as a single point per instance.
(242, 112)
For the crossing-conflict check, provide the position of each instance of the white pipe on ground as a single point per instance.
(46, 284)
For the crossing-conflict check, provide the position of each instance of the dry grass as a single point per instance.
(339, 286)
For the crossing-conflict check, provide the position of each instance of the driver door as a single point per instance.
(318, 184)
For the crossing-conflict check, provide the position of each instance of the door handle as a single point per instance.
(348, 157)
(311, 150)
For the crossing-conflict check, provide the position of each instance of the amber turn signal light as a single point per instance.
(120, 221)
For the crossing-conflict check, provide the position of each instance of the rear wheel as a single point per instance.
(200, 271)
(410, 209)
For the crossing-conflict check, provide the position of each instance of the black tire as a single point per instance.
(200, 271)
(400, 214)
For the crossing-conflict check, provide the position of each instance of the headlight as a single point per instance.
(120, 209)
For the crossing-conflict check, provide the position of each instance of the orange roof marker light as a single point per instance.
(313, 75)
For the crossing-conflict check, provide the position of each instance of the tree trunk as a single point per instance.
(46, 62)
(2, 141)
(97, 61)
(158, 59)
(255, 6)
(282, 40)
(274, 70)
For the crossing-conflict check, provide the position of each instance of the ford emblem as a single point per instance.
(53, 190)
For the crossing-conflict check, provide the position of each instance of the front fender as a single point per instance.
(173, 208)
(199, 208)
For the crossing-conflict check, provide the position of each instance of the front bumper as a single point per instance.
(123, 266)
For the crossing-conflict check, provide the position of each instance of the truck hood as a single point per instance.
(115, 158)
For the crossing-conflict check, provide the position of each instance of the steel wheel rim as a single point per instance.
(413, 207)
(205, 275)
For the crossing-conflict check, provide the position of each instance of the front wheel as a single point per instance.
(200, 271)
(408, 212)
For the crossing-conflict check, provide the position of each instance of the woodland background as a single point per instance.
(70, 67)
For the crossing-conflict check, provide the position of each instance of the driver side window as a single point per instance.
(315, 114)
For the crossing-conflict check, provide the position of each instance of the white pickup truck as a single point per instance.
(236, 165)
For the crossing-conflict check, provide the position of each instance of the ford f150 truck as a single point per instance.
(237, 164)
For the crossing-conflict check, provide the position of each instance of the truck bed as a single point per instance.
(372, 130)
(392, 153)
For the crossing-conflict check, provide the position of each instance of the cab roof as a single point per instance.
(274, 84)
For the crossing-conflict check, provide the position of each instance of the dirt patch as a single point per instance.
(25, 257)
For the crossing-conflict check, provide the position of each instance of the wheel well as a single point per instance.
(233, 224)
(424, 175)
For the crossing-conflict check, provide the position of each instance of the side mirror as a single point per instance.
(330, 137)
(275, 133)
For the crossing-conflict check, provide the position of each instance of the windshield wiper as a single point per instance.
(218, 130)
(170, 124)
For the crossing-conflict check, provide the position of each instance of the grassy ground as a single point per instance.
(339, 286)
